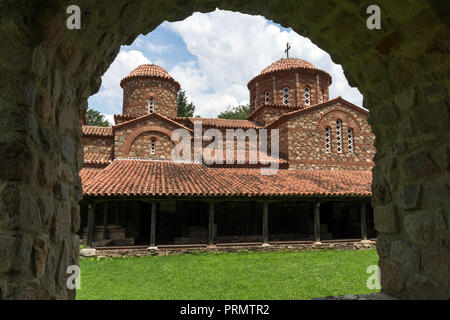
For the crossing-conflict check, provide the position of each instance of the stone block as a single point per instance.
(391, 276)
(419, 165)
(437, 264)
(385, 219)
(405, 254)
(409, 196)
(422, 287)
(88, 252)
(420, 228)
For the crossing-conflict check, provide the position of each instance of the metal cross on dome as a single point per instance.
(288, 47)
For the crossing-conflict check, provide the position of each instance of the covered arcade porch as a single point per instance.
(219, 222)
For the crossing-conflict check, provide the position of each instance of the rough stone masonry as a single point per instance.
(47, 72)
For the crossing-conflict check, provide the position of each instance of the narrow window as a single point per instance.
(350, 140)
(307, 96)
(151, 105)
(322, 96)
(286, 96)
(328, 139)
(267, 97)
(339, 135)
(153, 146)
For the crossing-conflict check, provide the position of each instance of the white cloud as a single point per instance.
(110, 94)
(232, 48)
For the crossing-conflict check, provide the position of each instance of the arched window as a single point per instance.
(350, 140)
(339, 135)
(153, 146)
(151, 105)
(307, 96)
(286, 96)
(267, 97)
(328, 139)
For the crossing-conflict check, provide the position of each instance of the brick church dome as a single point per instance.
(287, 64)
(149, 70)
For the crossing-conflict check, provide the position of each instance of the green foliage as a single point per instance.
(236, 113)
(245, 275)
(185, 109)
(95, 118)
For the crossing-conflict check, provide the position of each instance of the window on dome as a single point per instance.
(151, 105)
(153, 146)
(286, 96)
(267, 97)
(328, 139)
(350, 140)
(307, 96)
(339, 135)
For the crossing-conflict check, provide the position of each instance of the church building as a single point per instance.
(137, 194)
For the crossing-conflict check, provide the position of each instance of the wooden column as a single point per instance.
(211, 224)
(265, 223)
(317, 222)
(363, 221)
(153, 225)
(91, 224)
(105, 220)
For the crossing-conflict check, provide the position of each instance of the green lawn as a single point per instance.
(261, 275)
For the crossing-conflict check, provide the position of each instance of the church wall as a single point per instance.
(282, 79)
(140, 147)
(97, 145)
(270, 114)
(306, 140)
(137, 92)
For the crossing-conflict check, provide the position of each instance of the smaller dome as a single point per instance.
(287, 64)
(149, 70)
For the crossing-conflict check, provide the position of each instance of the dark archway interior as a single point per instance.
(48, 72)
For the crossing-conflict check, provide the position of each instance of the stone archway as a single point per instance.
(48, 72)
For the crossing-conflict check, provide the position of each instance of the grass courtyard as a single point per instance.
(250, 275)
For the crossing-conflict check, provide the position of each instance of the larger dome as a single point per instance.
(149, 70)
(288, 64)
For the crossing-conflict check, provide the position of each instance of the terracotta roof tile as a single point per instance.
(86, 174)
(97, 158)
(97, 131)
(126, 177)
(226, 123)
(149, 70)
(289, 64)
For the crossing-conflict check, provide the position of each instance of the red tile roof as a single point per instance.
(272, 106)
(226, 123)
(130, 177)
(97, 131)
(290, 64)
(149, 70)
(87, 174)
(97, 158)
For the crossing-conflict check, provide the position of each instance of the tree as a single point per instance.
(95, 118)
(236, 113)
(185, 109)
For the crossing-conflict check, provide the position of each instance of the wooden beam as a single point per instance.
(153, 225)
(317, 222)
(265, 223)
(105, 220)
(211, 234)
(363, 221)
(91, 224)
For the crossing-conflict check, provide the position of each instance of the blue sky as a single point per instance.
(213, 56)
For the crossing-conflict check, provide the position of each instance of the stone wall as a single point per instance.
(48, 72)
(136, 94)
(98, 146)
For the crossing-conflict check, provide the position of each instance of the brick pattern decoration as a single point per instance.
(138, 91)
(302, 137)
